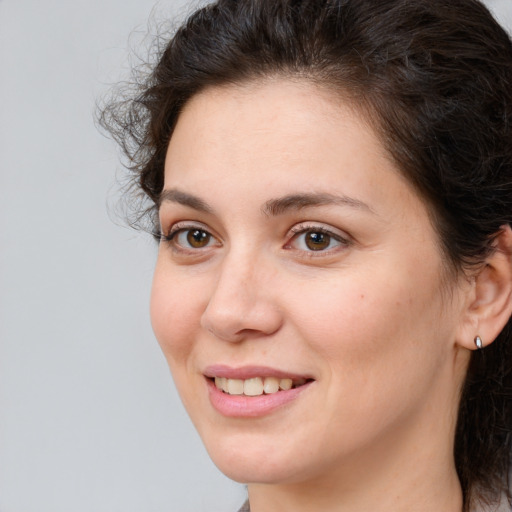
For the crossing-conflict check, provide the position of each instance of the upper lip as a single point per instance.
(249, 372)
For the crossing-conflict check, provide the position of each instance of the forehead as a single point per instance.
(278, 124)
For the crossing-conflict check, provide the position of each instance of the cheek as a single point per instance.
(354, 311)
(175, 316)
(374, 332)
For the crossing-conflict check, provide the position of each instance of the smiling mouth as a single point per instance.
(257, 386)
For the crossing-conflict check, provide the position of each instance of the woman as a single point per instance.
(331, 184)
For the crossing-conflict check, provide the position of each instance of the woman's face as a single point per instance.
(296, 254)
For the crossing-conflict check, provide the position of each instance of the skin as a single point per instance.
(373, 318)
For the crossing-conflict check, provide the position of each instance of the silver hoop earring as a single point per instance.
(478, 342)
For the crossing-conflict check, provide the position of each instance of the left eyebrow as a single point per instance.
(174, 195)
(281, 205)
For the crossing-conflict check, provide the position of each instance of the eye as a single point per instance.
(194, 238)
(189, 238)
(315, 239)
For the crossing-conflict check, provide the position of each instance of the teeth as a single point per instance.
(235, 386)
(285, 384)
(256, 386)
(253, 387)
(221, 383)
(271, 385)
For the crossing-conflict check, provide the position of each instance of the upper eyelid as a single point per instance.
(188, 224)
(303, 227)
(296, 229)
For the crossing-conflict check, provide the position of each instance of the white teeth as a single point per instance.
(271, 385)
(235, 386)
(221, 383)
(255, 386)
(285, 384)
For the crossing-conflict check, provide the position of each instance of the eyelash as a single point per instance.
(294, 234)
(302, 229)
(181, 228)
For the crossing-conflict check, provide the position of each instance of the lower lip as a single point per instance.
(241, 406)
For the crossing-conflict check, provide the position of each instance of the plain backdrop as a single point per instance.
(89, 419)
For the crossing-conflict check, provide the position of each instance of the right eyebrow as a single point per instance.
(307, 200)
(174, 195)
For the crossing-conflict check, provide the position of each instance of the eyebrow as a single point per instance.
(279, 206)
(272, 207)
(177, 196)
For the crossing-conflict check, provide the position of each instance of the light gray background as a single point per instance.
(89, 419)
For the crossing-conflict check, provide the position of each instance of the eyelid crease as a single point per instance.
(312, 227)
(184, 225)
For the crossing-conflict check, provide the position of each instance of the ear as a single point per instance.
(489, 304)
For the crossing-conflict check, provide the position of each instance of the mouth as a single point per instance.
(257, 386)
(253, 391)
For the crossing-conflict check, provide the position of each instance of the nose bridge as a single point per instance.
(241, 303)
(237, 281)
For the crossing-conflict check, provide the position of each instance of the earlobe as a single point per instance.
(490, 304)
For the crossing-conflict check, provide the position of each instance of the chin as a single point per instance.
(248, 472)
(252, 462)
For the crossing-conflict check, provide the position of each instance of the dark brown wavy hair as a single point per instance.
(434, 77)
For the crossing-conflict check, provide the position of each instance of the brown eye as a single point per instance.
(190, 238)
(197, 238)
(316, 241)
(313, 239)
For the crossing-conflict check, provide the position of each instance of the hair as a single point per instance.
(433, 77)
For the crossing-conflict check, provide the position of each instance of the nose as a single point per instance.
(242, 304)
